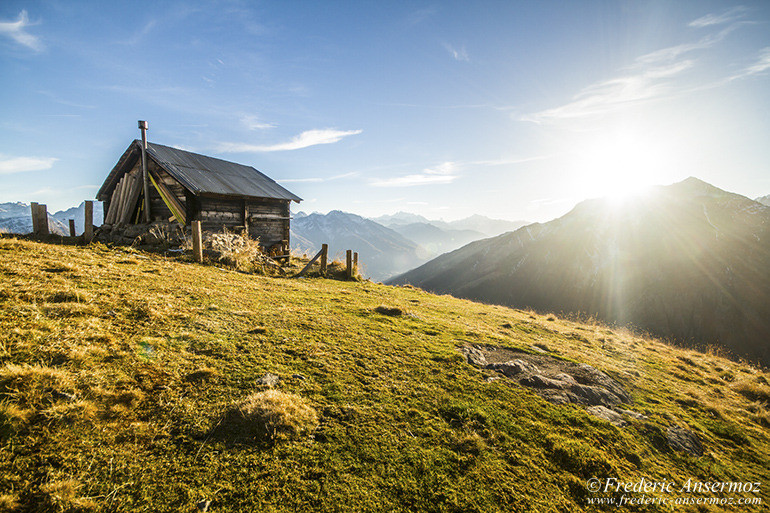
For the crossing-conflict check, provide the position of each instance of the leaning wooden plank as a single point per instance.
(123, 198)
(130, 203)
(312, 261)
(115, 205)
(133, 197)
(169, 199)
(108, 218)
(110, 213)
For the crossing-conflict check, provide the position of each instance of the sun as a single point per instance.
(622, 164)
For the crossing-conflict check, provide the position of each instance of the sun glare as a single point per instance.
(622, 165)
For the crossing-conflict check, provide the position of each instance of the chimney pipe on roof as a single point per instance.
(143, 128)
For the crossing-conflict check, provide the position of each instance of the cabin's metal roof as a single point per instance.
(201, 174)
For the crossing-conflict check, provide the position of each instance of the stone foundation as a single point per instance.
(160, 235)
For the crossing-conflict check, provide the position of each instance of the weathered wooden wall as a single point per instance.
(216, 213)
(268, 220)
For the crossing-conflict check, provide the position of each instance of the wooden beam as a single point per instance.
(72, 227)
(355, 263)
(109, 217)
(119, 200)
(143, 126)
(127, 181)
(42, 220)
(33, 213)
(197, 241)
(349, 263)
(133, 197)
(169, 199)
(88, 230)
(324, 256)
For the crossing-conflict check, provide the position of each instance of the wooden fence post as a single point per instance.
(355, 263)
(72, 227)
(349, 263)
(324, 253)
(88, 230)
(40, 212)
(33, 210)
(197, 242)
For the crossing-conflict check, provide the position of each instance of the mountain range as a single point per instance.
(389, 245)
(382, 251)
(483, 225)
(16, 218)
(689, 262)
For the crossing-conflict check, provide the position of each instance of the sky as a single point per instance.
(513, 110)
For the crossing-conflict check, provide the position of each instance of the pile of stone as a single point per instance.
(156, 235)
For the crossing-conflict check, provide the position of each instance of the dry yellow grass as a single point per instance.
(33, 385)
(64, 496)
(8, 503)
(270, 415)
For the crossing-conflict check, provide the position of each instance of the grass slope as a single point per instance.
(118, 369)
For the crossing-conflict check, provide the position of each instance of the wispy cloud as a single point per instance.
(612, 94)
(300, 180)
(317, 179)
(442, 174)
(760, 66)
(10, 165)
(458, 54)
(729, 16)
(254, 123)
(505, 162)
(446, 172)
(17, 31)
(420, 15)
(54, 97)
(139, 35)
(303, 140)
(653, 76)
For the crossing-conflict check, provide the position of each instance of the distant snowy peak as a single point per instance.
(79, 215)
(400, 218)
(765, 200)
(477, 223)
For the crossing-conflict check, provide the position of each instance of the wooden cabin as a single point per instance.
(187, 187)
